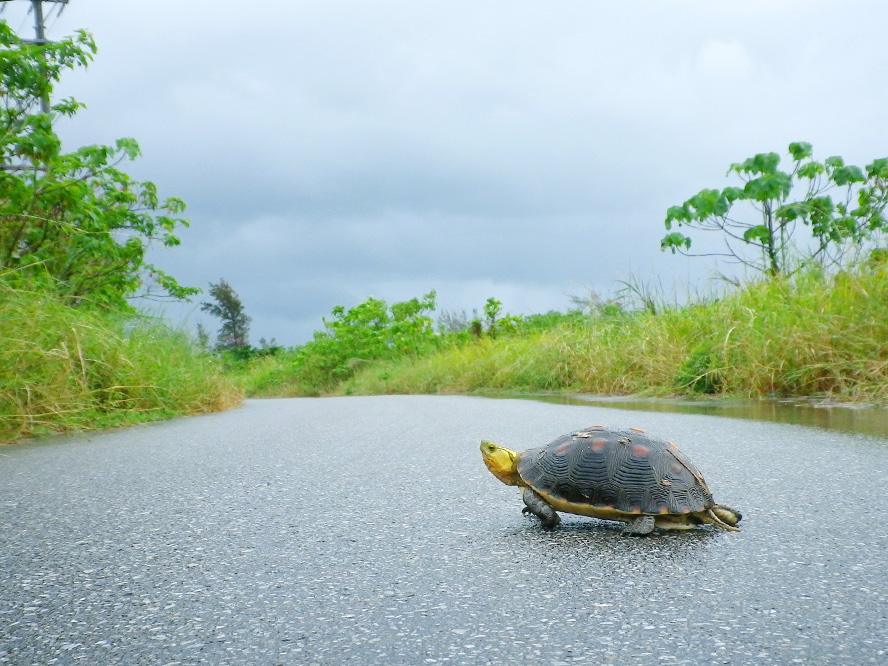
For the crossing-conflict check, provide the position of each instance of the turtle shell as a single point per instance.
(616, 470)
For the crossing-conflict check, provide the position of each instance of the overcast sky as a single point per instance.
(330, 150)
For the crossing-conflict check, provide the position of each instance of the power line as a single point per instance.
(40, 35)
(39, 21)
(59, 8)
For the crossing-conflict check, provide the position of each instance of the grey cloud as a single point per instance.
(333, 150)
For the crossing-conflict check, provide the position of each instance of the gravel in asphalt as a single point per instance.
(366, 530)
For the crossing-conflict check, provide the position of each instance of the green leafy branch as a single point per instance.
(843, 206)
(73, 221)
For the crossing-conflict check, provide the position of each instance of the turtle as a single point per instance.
(622, 475)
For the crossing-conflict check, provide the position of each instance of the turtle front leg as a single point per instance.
(540, 508)
(641, 526)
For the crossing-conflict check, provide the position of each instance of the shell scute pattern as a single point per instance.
(624, 470)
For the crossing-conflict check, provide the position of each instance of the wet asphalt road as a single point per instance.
(367, 531)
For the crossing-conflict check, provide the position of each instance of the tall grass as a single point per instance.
(815, 335)
(810, 336)
(64, 368)
(272, 377)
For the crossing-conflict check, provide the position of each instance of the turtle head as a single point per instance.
(501, 462)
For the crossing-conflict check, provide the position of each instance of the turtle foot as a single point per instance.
(541, 509)
(727, 514)
(641, 526)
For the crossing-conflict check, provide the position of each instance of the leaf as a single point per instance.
(800, 150)
(732, 194)
(768, 187)
(762, 163)
(848, 174)
(878, 168)
(821, 210)
(811, 170)
(846, 226)
(793, 211)
(834, 162)
(675, 241)
(766, 162)
(707, 203)
(677, 214)
(129, 147)
(758, 234)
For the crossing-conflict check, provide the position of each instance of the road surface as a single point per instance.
(366, 530)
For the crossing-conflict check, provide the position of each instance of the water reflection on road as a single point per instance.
(870, 420)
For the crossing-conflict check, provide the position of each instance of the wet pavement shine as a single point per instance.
(366, 530)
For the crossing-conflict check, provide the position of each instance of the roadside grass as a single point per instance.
(534, 362)
(815, 335)
(64, 368)
(271, 377)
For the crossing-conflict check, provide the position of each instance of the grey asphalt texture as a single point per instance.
(366, 530)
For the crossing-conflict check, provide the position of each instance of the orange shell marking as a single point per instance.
(598, 444)
(640, 451)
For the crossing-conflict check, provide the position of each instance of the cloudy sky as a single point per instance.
(330, 150)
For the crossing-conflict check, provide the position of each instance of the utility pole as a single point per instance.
(40, 34)
(39, 40)
(37, 6)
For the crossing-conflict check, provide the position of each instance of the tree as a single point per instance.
(235, 331)
(492, 310)
(453, 321)
(367, 332)
(842, 206)
(268, 344)
(203, 337)
(72, 221)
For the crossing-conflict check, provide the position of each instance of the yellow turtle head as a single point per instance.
(501, 462)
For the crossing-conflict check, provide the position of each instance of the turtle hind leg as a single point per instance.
(540, 508)
(727, 514)
(641, 526)
(724, 517)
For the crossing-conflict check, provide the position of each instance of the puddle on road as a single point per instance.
(868, 420)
